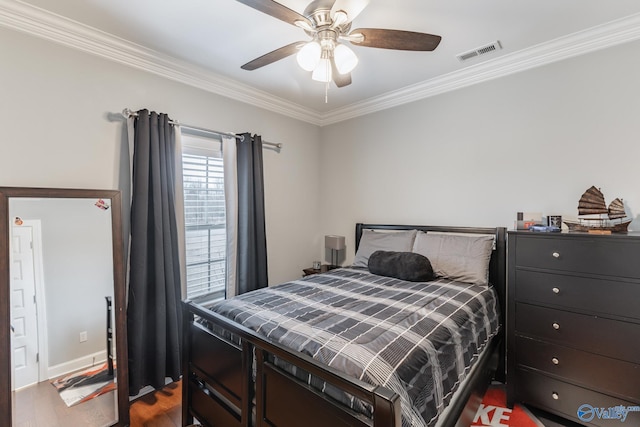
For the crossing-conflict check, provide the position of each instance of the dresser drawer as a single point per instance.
(567, 400)
(606, 337)
(594, 255)
(608, 375)
(615, 297)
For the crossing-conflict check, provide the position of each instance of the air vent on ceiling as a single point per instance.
(479, 51)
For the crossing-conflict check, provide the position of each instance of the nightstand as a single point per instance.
(323, 269)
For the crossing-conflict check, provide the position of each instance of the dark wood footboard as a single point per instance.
(220, 389)
(216, 382)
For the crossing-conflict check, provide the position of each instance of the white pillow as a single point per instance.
(371, 241)
(460, 257)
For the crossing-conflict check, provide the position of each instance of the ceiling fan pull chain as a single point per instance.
(326, 85)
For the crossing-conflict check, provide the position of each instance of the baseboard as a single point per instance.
(148, 389)
(83, 362)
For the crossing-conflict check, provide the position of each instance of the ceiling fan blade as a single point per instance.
(394, 39)
(276, 10)
(273, 56)
(341, 80)
(352, 7)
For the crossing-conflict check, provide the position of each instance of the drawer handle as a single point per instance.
(555, 396)
(555, 361)
(556, 254)
(556, 326)
(556, 290)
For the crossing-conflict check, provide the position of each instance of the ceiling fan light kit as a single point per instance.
(317, 57)
(328, 22)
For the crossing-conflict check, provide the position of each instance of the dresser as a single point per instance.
(573, 325)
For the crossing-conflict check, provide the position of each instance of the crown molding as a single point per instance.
(596, 38)
(26, 18)
(44, 24)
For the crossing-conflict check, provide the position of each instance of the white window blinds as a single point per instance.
(204, 208)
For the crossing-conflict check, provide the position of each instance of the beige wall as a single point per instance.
(533, 141)
(60, 128)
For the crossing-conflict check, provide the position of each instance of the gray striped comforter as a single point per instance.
(417, 339)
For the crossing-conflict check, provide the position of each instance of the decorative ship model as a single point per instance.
(592, 208)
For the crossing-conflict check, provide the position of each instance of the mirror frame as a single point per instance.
(122, 371)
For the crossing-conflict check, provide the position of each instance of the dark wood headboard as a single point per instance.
(497, 264)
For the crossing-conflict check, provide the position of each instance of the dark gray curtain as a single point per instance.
(252, 241)
(153, 311)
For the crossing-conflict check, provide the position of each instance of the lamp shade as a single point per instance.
(333, 242)
(309, 56)
(345, 59)
(322, 72)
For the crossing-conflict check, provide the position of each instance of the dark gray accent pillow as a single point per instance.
(408, 266)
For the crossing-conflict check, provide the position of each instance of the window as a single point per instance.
(204, 209)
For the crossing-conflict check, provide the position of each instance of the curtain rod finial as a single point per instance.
(128, 113)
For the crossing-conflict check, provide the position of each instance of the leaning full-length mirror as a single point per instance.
(63, 358)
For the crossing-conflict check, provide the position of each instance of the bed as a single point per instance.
(290, 355)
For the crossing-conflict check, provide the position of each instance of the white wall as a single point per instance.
(533, 141)
(60, 129)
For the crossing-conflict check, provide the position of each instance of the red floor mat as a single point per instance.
(493, 412)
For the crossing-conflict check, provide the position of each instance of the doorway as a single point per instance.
(28, 338)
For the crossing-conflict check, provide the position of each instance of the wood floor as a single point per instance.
(161, 408)
(41, 406)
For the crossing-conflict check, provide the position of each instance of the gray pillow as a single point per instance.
(460, 257)
(371, 241)
(408, 266)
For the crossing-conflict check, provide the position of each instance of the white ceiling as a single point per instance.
(204, 43)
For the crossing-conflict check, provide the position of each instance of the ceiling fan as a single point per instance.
(328, 23)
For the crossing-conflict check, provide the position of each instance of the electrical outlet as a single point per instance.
(83, 336)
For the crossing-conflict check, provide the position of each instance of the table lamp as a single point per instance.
(336, 244)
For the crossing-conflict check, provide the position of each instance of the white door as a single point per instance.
(24, 320)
